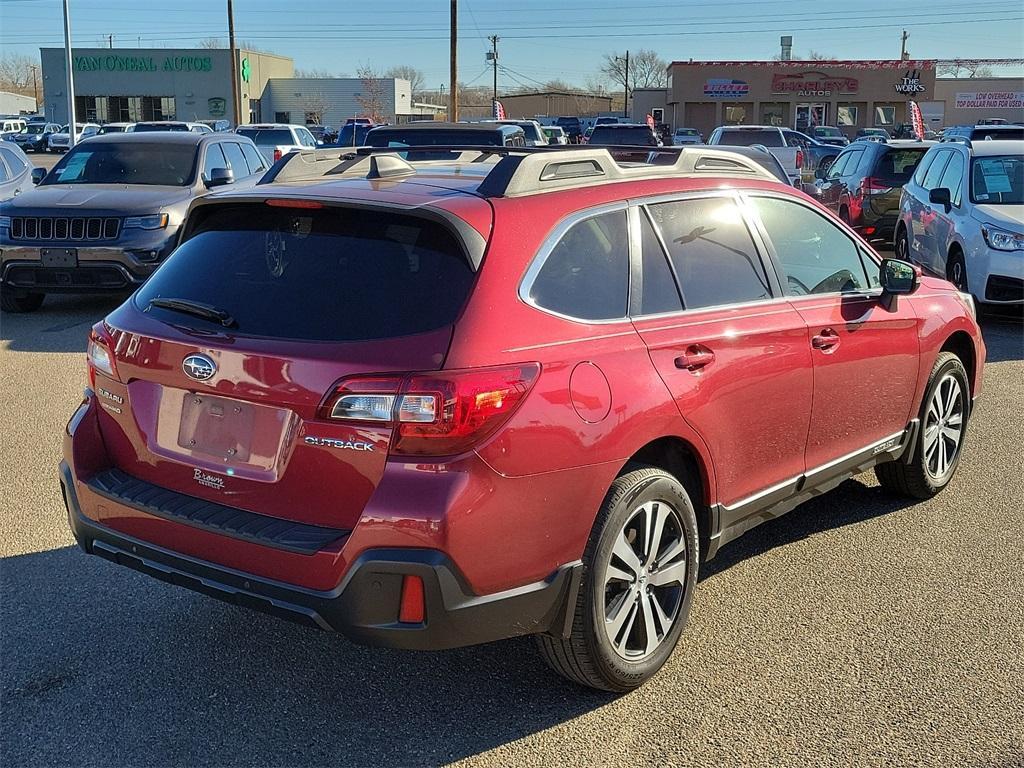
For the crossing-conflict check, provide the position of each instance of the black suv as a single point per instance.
(109, 212)
(624, 134)
(864, 182)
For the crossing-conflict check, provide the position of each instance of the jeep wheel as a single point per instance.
(640, 570)
(943, 425)
(13, 302)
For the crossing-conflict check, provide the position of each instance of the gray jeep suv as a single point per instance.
(109, 212)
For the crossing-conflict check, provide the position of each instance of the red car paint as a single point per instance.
(758, 394)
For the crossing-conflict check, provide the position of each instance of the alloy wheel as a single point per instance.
(943, 427)
(645, 580)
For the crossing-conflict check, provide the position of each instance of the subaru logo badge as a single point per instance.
(198, 367)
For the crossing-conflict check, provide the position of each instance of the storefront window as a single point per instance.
(735, 114)
(846, 116)
(773, 114)
(885, 115)
(135, 109)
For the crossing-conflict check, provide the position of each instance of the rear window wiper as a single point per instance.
(196, 308)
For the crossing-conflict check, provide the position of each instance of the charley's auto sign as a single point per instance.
(813, 84)
(112, 63)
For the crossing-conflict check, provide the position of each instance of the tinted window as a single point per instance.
(897, 165)
(923, 166)
(324, 275)
(852, 163)
(934, 173)
(658, 290)
(744, 138)
(233, 152)
(214, 159)
(15, 162)
(992, 132)
(836, 169)
(268, 137)
(814, 254)
(431, 138)
(100, 162)
(253, 158)
(711, 251)
(614, 134)
(586, 275)
(952, 176)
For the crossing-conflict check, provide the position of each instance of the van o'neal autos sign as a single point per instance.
(990, 100)
(112, 63)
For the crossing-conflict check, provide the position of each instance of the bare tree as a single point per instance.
(215, 43)
(316, 74)
(212, 43)
(596, 85)
(646, 69)
(957, 68)
(314, 106)
(371, 100)
(811, 56)
(413, 75)
(16, 73)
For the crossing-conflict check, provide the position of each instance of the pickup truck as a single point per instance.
(274, 140)
(771, 137)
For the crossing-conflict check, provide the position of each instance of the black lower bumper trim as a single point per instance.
(365, 606)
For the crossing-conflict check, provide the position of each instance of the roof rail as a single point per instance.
(520, 170)
(958, 139)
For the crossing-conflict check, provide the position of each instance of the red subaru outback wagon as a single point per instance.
(428, 404)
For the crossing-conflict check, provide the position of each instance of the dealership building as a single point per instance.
(801, 94)
(135, 84)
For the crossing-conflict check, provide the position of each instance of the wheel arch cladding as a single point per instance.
(681, 460)
(961, 345)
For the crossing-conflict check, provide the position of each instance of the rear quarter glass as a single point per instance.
(332, 274)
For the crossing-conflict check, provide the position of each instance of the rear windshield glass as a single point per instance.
(98, 162)
(143, 128)
(744, 138)
(439, 138)
(828, 132)
(337, 274)
(269, 137)
(686, 132)
(898, 164)
(610, 134)
(997, 132)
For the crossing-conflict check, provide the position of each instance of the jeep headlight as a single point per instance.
(154, 221)
(1001, 240)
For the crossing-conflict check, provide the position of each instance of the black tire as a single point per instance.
(844, 216)
(901, 245)
(915, 478)
(588, 656)
(16, 303)
(956, 270)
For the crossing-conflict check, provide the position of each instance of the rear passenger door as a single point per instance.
(865, 356)
(733, 355)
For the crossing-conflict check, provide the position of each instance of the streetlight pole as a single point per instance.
(453, 94)
(70, 77)
(236, 108)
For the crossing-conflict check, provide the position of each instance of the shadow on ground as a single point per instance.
(61, 325)
(105, 666)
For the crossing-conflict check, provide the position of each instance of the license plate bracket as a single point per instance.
(217, 426)
(59, 258)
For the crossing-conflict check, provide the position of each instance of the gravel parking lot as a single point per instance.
(858, 630)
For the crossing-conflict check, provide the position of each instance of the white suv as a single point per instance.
(962, 217)
(274, 140)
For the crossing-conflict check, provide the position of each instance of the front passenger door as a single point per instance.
(865, 356)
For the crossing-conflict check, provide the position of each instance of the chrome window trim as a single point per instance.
(553, 239)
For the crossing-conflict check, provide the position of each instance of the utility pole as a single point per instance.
(453, 84)
(235, 106)
(110, 41)
(493, 56)
(69, 65)
(35, 85)
(625, 80)
(903, 46)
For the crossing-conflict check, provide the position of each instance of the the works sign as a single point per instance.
(813, 84)
(112, 63)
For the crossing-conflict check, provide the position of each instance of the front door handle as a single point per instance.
(826, 341)
(696, 357)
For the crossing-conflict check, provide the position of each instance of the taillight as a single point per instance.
(872, 186)
(277, 155)
(799, 159)
(434, 414)
(99, 355)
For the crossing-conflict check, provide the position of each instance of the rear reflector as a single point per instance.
(412, 609)
(284, 202)
(869, 230)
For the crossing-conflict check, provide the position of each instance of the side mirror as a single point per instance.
(38, 174)
(219, 177)
(897, 278)
(941, 196)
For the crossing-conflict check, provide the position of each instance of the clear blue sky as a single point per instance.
(540, 39)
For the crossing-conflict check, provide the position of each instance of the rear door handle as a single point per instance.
(826, 341)
(694, 358)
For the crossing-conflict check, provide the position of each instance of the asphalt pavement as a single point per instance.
(858, 630)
